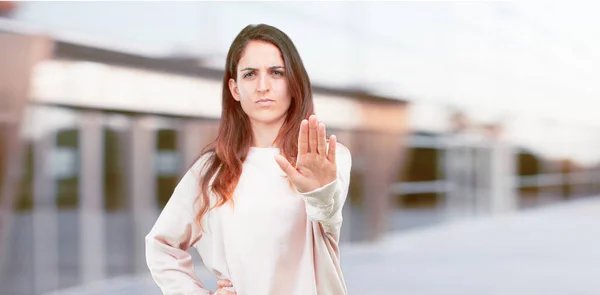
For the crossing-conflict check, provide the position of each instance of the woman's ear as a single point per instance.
(233, 88)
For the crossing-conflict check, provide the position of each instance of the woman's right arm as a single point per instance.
(173, 233)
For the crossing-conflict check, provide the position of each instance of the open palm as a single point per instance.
(315, 164)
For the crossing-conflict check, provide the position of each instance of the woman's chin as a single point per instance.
(267, 120)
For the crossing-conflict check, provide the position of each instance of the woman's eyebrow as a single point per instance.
(254, 69)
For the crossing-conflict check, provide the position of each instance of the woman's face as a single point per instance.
(262, 86)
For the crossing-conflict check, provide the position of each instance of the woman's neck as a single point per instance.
(264, 134)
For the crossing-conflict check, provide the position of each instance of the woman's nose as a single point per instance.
(263, 84)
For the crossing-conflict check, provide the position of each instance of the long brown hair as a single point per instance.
(226, 154)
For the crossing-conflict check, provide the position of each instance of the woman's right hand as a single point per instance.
(224, 287)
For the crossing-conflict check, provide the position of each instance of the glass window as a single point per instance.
(168, 164)
(65, 167)
(116, 149)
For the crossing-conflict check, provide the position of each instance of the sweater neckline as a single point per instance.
(264, 150)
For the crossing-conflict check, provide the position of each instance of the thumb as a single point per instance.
(285, 165)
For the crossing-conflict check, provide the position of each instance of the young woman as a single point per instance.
(263, 203)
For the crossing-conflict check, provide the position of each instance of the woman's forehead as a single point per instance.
(258, 54)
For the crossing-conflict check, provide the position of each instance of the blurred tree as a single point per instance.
(567, 166)
(528, 165)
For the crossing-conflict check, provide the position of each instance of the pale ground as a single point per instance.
(553, 250)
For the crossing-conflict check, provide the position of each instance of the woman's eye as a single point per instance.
(278, 73)
(249, 74)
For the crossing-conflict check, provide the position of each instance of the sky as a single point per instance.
(530, 61)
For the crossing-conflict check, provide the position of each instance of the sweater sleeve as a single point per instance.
(324, 205)
(173, 233)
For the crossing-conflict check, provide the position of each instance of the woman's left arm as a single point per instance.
(325, 204)
(321, 175)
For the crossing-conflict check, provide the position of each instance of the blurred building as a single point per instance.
(7, 8)
(100, 138)
(94, 138)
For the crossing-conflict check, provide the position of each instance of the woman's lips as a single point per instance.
(265, 102)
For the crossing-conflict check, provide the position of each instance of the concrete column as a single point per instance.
(503, 169)
(496, 177)
(91, 203)
(142, 182)
(483, 176)
(192, 138)
(510, 188)
(459, 162)
(448, 148)
(45, 217)
(471, 179)
(383, 154)
(19, 55)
